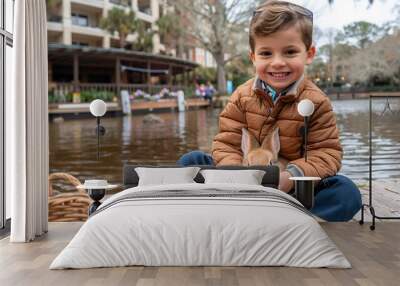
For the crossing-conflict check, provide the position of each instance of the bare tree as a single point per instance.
(328, 51)
(397, 11)
(380, 60)
(218, 26)
(362, 32)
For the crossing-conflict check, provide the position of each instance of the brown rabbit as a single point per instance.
(266, 154)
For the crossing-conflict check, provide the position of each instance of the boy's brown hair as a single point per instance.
(273, 16)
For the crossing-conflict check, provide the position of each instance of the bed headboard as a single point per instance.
(270, 179)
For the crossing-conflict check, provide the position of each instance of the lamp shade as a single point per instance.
(98, 107)
(305, 107)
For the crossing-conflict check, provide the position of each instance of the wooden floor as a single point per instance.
(374, 255)
(386, 198)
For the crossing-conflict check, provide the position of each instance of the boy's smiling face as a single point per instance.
(280, 58)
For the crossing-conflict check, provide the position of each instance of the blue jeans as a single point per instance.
(337, 198)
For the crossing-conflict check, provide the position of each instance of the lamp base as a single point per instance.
(304, 190)
(96, 195)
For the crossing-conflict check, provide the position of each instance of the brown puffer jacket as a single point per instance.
(250, 107)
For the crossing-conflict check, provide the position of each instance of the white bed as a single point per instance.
(265, 229)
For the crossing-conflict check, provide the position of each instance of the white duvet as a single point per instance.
(187, 231)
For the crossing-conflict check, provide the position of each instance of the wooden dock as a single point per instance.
(385, 198)
(137, 105)
(168, 104)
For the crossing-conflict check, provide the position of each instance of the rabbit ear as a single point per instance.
(245, 142)
(271, 142)
(248, 142)
(276, 142)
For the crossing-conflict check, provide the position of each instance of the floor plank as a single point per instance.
(374, 255)
(385, 198)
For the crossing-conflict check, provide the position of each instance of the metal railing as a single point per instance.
(54, 18)
(121, 2)
(62, 92)
(361, 89)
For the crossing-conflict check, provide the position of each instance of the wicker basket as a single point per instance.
(71, 206)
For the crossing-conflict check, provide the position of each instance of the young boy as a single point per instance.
(280, 47)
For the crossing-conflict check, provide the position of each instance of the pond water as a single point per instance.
(130, 139)
(353, 122)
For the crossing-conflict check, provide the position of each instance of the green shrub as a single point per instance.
(51, 96)
(68, 97)
(58, 98)
(204, 74)
(90, 95)
(189, 91)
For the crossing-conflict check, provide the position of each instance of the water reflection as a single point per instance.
(353, 122)
(126, 130)
(130, 139)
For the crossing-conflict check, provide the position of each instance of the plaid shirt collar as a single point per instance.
(272, 92)
(291, 89)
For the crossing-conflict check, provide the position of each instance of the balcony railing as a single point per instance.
(54, 18)
(88, 30)
(92, 3)
(63, 92)
(122, 2)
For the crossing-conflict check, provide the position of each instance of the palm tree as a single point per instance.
(170, 28)
(144, 40)
(52, 3)
(54, 10)
(118, 20)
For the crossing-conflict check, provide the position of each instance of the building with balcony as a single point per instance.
(84, 56)
(77, 22)
(202, 57)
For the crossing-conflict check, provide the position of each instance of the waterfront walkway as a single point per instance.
(385, 198)
(136, 106)
(223, 100)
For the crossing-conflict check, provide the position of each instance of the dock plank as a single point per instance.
(385, 198)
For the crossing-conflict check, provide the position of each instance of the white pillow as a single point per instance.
(249, 177)
(165, 176)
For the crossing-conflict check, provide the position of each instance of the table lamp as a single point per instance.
(304, 186)
(98, 108)
(305, 109)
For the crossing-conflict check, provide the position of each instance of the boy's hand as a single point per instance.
(285, 184)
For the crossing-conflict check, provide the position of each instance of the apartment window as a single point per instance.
(54, 10)
(6, 43)
(144, 6)
(80, 20)
(82, 44)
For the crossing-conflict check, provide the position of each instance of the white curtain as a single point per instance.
(27, 161)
